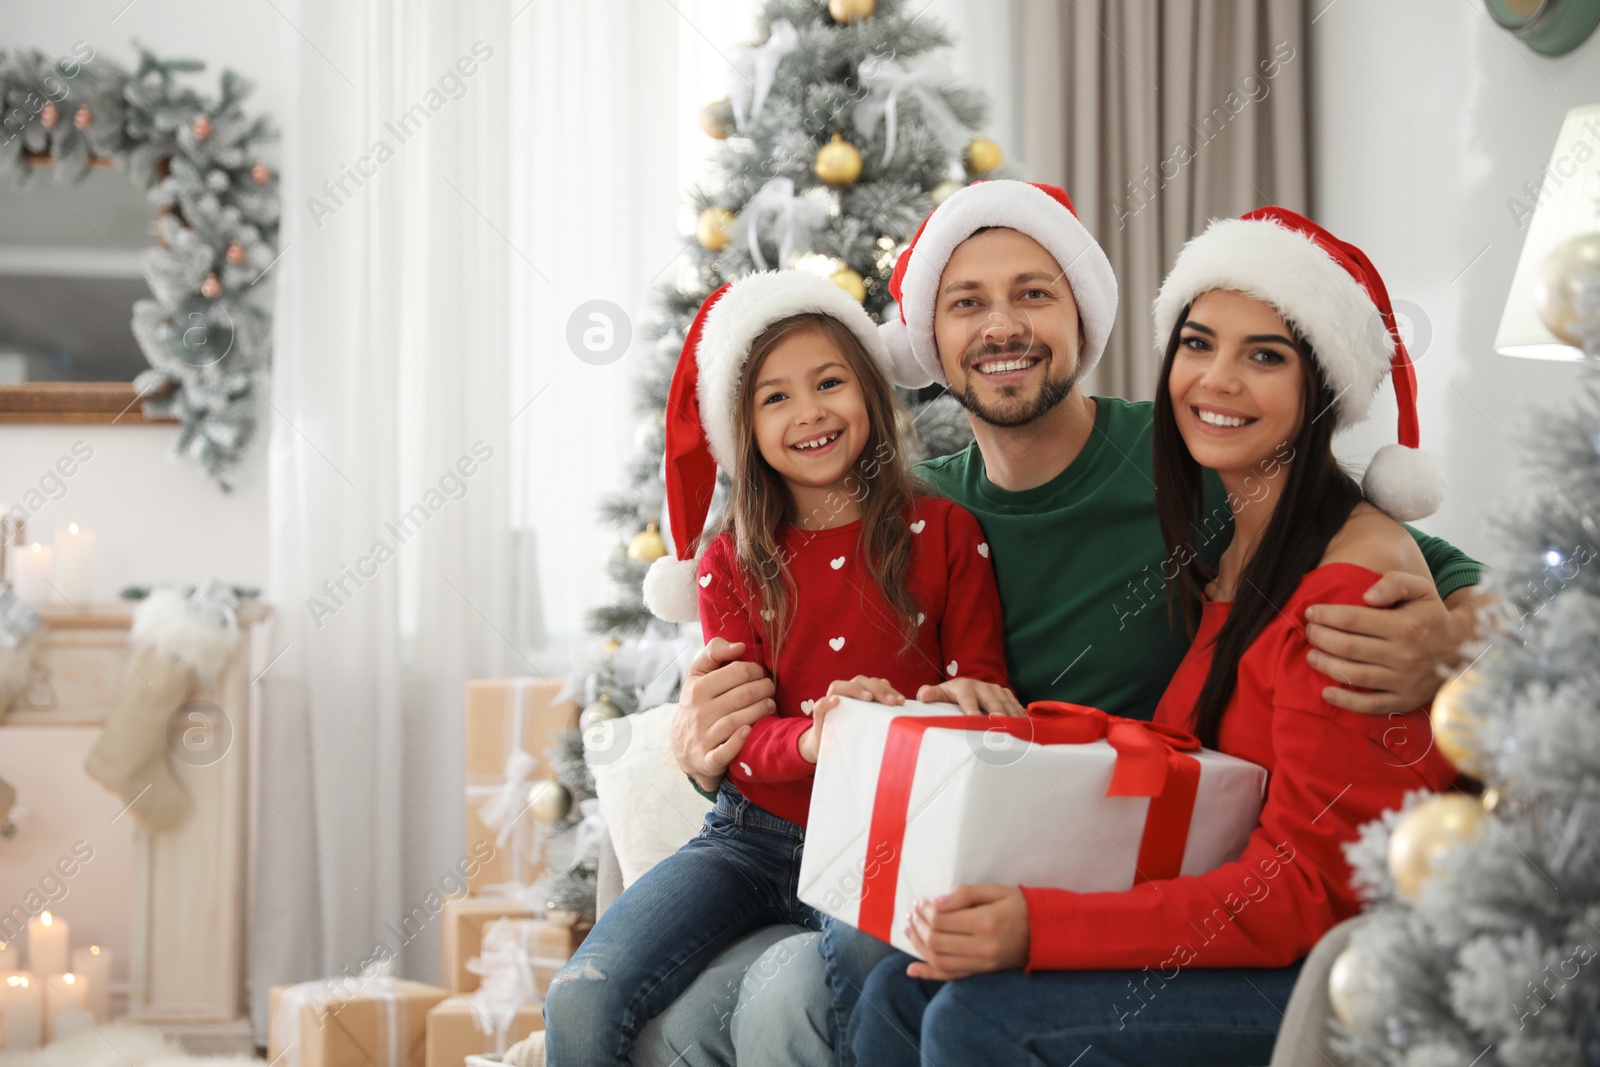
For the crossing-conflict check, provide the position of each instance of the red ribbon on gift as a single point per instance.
(1151, 762)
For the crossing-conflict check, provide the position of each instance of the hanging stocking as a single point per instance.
(177, 643)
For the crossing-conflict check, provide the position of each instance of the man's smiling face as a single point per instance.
(1007, 328)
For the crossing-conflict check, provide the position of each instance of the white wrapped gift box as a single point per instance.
(1069, 798)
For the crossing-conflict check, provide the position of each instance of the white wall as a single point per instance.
(1426, 119)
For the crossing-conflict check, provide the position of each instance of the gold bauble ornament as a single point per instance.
(1454, 728)
(1428, 832)
(49, 115)
(83, 118)
(850, 281)
(714, 119)
(549, 800)
(211, 288)
(1347, 986)
(201, 128)
(602, 710)
(847, 11)
(838, 162)
(944, 191)
(1566, 290)
(982, 156)
(711, 229)
(647, 545)
(261, 174)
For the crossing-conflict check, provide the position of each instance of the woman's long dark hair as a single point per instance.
(1313, 504)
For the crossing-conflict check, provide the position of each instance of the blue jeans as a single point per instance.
(739, 874)
(849, 957)
(1081, 1018)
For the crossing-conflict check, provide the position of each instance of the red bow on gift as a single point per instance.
(1151, 762)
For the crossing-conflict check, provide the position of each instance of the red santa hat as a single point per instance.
(701, 403)
(1044, 213)
(1334, 297)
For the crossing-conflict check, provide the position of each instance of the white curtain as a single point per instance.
(457, 180)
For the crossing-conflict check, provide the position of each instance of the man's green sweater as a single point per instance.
(1080, 559)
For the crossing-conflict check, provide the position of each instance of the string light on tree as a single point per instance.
(83, 118)
(49, 115)
(235, 253)
(211, 288)
(838, 162)
(981, 157)
(201, 128)
(261, 174)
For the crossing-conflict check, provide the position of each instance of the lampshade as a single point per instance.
(1565, 206)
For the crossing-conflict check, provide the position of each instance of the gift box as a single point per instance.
(511, 724)
(372, 1021)
(911, 802)
(461, 925)
(544, 944)
(458, 1028)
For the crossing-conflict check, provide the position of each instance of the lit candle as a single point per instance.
(92, 965)
(74, 564)
(22, 1006)
(47, 944)
(30, 572)
(63, 1006)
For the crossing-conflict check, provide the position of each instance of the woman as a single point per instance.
(1275, 334)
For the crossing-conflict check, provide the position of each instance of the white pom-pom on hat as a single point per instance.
(670, 590)
(1407, 483)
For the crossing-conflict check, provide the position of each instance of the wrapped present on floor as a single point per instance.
(460, 1027)
(541, 946)
(511, 723)
(375, 1020)
(912, 802)
(461, 925)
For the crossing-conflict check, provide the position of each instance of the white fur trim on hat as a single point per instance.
(741, 315)
(1018, 206)
(670, 591)
(1318, 297)
(1407, 483)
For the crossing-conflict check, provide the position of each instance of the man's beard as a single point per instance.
(1020, 412)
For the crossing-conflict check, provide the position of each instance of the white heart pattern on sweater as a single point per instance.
(808, 706)
(917, 526)
(836, 643)
(745, 767)
(768, 613)
(705, 580)
(836, 563)
(920, 617)
(983, 549)
(950, 668)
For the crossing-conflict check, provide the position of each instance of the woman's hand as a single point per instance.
(860, 687)
(973, 929)
(975, 697)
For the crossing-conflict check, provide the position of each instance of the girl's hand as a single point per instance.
(975, 697)
(862, 688)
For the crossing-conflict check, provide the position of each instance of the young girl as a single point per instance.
(1275, 334)
(829, 565)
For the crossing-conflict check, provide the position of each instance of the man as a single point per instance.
(1007, 300)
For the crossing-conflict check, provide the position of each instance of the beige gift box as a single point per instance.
(362, 1029)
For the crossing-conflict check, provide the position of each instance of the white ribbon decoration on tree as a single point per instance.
(885, 82)
(755, 70)
(794, 218)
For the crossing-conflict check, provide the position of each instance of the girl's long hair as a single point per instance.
(760, 503)
(1313, 504)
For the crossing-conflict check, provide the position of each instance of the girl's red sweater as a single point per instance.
(843, 626)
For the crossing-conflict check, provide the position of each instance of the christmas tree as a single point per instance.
(840, 134)
(1481, 945)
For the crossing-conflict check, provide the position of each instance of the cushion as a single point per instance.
(649, 805)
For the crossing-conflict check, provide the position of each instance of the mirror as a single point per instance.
(69, 276)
